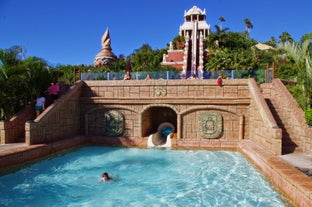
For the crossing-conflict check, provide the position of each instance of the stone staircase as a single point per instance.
(17, 133)
(288, 146)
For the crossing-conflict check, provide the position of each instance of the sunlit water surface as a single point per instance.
(142, 177)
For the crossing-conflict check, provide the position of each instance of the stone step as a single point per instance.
(288, 146)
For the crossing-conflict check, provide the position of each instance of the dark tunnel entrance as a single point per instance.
(154, 116)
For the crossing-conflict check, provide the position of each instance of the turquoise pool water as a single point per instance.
(142, 177)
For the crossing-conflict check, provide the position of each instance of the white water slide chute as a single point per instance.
(161, 138)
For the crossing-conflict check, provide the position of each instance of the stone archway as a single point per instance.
(153, 116)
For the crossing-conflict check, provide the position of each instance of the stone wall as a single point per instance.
(262, 125)
(183, 102)
(14, 130)
(290, 113)
(127, 112)
(58, 121)
(244, 112)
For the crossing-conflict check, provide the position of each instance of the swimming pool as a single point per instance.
(142, 177)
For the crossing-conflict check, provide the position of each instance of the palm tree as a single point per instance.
(178, 42)
(221, 19)
(302, 56)
(248, 25)
(11, 56)
(21, 80)
(216, 39)
(285, 37)
(9, 61)
(272, 41)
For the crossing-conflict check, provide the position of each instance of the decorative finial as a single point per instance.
(106, 55)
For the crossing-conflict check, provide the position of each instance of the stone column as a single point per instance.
(201, 56)
(241, 127)
(179, 127)
(30, 132)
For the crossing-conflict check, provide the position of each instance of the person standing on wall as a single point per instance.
(127, 76)
(54, 90)
(40, 104)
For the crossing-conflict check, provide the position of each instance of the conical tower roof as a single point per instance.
(105, 55)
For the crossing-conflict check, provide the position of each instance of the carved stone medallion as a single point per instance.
(161, 92)
(210, 125)
(114, 123)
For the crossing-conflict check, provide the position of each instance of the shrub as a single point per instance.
(308, 116)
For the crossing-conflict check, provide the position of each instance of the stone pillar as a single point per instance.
(186, 49)
(2, 132)
(201, 56)
(179, 124)
(241, 127)
(30, 132)
(194, 48)
(7, 132)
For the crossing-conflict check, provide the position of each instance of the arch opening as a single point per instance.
(154, 116)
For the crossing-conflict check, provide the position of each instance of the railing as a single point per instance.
(259, 75)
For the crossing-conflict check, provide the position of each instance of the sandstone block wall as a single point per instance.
(182, 101)
(262, 125)
(14, 130)
(58, 121)
(145, 104)
(290, 113)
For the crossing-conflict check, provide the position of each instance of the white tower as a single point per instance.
(195, 30)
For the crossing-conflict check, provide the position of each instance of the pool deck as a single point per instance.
(299, 160)
(280, 170)
(12, 146)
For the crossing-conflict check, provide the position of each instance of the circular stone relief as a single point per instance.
(210, 125)
(114, 123)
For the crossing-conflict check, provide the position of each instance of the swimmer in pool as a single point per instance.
(105, 177)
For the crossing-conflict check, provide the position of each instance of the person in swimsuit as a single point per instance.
(105, 177)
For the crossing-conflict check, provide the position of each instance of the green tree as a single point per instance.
(248, 25)
(285, 37)
(146, 59)
(237, 40)
(300, 52)
(221, 19)
(21, 80)
(220, 60)
(216, 39)
(178, 42)
(231, 59)
(272, 42)
(66, 73)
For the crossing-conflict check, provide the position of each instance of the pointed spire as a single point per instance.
(105, 55)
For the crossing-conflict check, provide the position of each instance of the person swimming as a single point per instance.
(105, 177)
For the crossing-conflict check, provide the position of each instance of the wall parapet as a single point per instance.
(291, 114)
(165, 89)
(13, 130)
(263, 128)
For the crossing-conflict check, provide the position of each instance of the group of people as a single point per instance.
(41, 101)
(193, 76)
(128, 76)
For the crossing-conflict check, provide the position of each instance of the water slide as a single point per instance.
(161, 138)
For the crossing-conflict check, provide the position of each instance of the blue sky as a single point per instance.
(69, 31)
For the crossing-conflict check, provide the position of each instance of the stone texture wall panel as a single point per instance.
(290, 113)
(236, 100)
